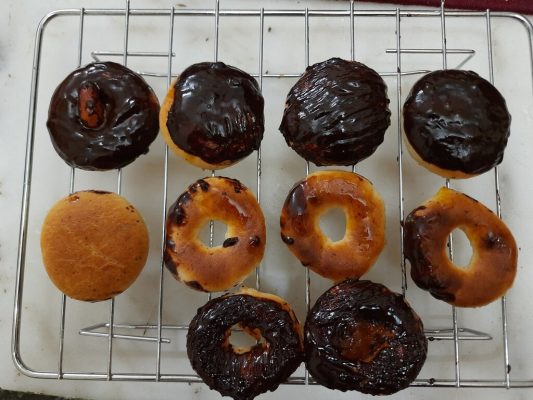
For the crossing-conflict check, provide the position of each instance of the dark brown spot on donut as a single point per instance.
(203, 185)
(179, 212)
(98, 191)
(287, 239)
(493, 241)
(255, 241)
(169, 263)
(192, 188)
(237, 185)
(171, 244)
(232, 241)
(297, 201)
(73, 198)
(195, 285)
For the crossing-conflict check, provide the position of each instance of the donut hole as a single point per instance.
(333, 223)
(219, 233)
(243, 340)
(462, 249)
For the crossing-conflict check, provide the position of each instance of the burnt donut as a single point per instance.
(361, 336)
(213, 115)
(244, 373)
(364, 238)
(214, 269)
(337, 113)
(102, 116)
(94, 245)
(492, 268)
(456, 123)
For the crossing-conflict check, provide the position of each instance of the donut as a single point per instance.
(245, 372)
(456, 123)
(94, 245)
(364, 238)
(361, 336)
(337, 113)
(102, 116)
(214, 269)
(492, 268)
(213, 115)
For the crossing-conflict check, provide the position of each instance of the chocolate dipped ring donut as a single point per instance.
(364, 238)
(456, 123)
(102, 116)
(213, 115)
(361, 336)
(492, 268)
(244, 373)
(214, 269)
(337, 113)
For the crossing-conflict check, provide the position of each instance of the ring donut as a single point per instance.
(364, 238)
(244, 373)
(214, 269)
(361, 336)
(492, 268)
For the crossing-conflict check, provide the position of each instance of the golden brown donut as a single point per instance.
(214, 269)
(364, 238)
(492, 268)
(94, 245)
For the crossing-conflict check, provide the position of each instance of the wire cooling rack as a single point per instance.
(108, 329)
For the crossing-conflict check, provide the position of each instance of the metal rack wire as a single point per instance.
(107, 329)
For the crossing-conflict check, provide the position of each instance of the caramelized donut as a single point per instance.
(337, 113)
(361, 336)
(214, 269)
(102, 116)
(456, 123)
(244, 373)
(213, 115)
(94, 245)
(364, 238)
(492, 268)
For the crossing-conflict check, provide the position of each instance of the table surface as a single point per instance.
(18, 22)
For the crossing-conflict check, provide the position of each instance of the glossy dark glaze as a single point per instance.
(217, 113)
(337, 113)
(457, 121)
(130, 118)
(264, 367)
(361, 336)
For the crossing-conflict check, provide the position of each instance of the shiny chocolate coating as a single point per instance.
(217, 113)
(244, 375)
(103, 116)
(457, 121)
(337, 113)
(361, 336)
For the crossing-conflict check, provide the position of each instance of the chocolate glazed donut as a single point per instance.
(244, 373)
(361, 336)
(213, 115)
(456, 123)
(102, 116)
(337, 113)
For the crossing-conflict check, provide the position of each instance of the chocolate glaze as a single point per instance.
(457, 121)
(361, 336)
(337, 113)
(264, 367)
(102, 116)
(217, 113)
